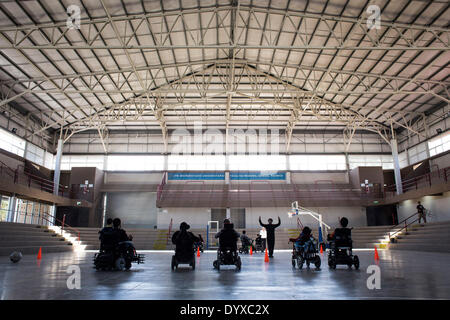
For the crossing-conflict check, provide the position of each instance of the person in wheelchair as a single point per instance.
(304, 242)
(246, 243)
(104, 234)
(116, 249)
(259, 243)
(341, 245)
(184, 246)
(227, 252)
(304, 249)
(199, 243)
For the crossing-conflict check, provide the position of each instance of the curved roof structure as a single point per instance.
(145, 65)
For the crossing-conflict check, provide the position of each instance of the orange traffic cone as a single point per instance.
(266, 257)
(376, 254)
(321, 249)
(198, 252)
(251, 250)
(39, 257)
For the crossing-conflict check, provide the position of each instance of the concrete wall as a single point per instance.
(439, 206)
(196, 217)
(199, 217)
(10, 159)
(441, 162)
(135, 209)
(133, 177)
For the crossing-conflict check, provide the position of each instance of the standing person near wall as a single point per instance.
(263, 234)
(270, 228)
(421, 212)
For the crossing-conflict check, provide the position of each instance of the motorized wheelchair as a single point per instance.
(183, 257)
(340, 252)
(305, 253)
(118, 256)
(227, 256)
(198, 245)
(259, 244)
(245, 248)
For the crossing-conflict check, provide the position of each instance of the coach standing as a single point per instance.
(270, 229)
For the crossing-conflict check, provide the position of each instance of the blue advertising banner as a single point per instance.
(261, 175)
(196, 176)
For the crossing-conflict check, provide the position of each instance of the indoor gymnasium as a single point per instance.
(224, 150)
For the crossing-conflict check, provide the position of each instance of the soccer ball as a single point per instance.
(15, 256)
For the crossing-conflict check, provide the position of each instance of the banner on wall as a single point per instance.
(196, 176)
(258, 175)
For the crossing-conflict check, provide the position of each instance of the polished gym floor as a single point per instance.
(404, 275)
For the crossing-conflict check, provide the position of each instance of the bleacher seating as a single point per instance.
(28, 238)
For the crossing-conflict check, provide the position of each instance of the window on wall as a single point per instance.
(317, 162)
(257, 162)
(35, 154)
(68, 162)
(12, 143)
(4, 205)
(371, 160)
(135, 163)
(403, 159)
(439, 144)
(49, 161)
(196, 162)
(418, 153)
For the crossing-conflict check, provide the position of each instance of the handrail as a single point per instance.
(63, 224)
(19, 175)
(401, 229)
(161, 186)
(170, 231)
(425, 178)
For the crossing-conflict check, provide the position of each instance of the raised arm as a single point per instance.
(279, 222)
(260, 222)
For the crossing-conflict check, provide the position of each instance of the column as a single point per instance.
(228, 213)
(398, 177)
(57, 167)
(11, 209)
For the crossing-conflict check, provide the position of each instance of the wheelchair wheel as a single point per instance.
(238, 263)
(300, 262)
(241, 250)
(128, 265)
(173, 264)
(317, 262)
(120, 263)
(356, 262)
(332, 263)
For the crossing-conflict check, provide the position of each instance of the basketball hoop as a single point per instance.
(294, 209)
(293, 213)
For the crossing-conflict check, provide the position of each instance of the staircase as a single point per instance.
(432, 237)
(28, 238)
(150, 239)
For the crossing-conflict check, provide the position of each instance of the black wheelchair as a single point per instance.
(117, 256)
(245, 248)
(341, 249)
(306, 253)
(259, 245)
(227, 256)
(187, 257)
(199, 245)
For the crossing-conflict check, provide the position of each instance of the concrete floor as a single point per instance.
(404, 275)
